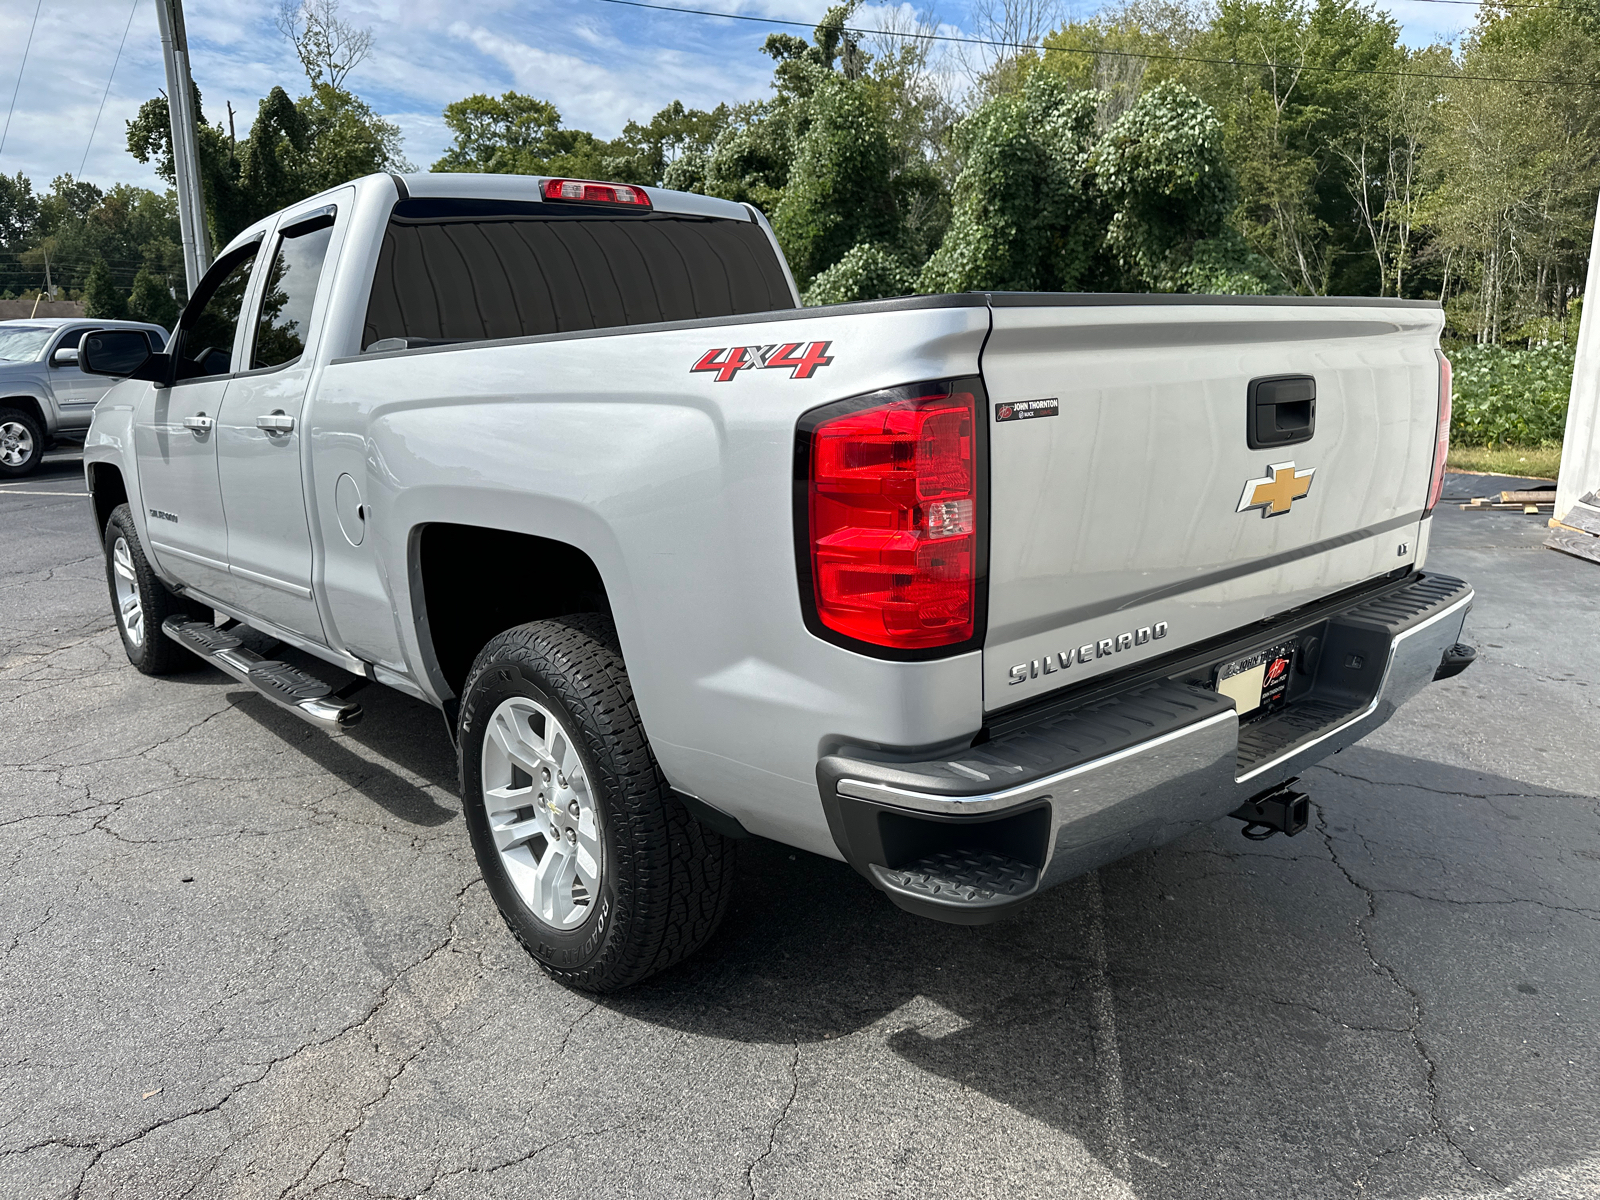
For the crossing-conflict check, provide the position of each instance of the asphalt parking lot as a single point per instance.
(243, 959)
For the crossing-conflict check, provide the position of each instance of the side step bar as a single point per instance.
(288, 687)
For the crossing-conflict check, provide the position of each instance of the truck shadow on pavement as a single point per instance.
(1400, 1000)
(399, 756)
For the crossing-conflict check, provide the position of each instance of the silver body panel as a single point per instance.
(679, 489)
(1121, 513)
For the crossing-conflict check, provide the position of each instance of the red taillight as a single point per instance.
(588, 192)
(1441, 445)
(892, 518)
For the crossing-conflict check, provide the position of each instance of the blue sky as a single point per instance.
(599, 63)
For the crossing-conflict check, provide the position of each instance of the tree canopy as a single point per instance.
(1241, 146)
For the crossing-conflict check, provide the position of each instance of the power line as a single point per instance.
(7, 131)
(1043, 49)
(1504, 4)
(107, 92)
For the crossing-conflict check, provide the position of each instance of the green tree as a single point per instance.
(150, 300)
(1027, 216)
(840, 193)
(645, 153)
(19, 210)
(866, 272)
(101, 296)
(516, 134)
(1162, 171)
(1285, 124)
(1512, 171)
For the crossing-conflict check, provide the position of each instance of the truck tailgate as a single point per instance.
(1115, 526)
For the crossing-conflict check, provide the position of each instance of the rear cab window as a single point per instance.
(471, 270)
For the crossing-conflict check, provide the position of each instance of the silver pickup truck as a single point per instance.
(45, 396)
(974, 592)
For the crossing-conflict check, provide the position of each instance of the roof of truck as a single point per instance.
(56, 322)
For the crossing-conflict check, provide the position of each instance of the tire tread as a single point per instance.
(675, 878)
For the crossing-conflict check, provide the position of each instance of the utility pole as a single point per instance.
(185, 147)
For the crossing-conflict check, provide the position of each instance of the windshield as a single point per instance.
(22, 343)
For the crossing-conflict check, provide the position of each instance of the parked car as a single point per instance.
(45, 396)
(974, 592)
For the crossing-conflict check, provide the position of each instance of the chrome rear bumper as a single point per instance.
(970, 836)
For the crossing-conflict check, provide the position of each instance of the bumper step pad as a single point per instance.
(969, 876)
(307, 697)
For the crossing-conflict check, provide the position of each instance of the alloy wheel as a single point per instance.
(16, 443)
(542, 812)
(129, 610)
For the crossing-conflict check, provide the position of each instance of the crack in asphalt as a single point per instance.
(783, 1115)
(385, 995)
(1421, 787)
(1418, 1014)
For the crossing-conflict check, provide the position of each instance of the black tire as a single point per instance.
(152, 651)
(21, 439)
(664, 879)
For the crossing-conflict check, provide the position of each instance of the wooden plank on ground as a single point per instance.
(1583, 518)
(1579, 545)
(1534, 497)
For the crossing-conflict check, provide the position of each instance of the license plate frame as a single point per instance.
(1257, 682)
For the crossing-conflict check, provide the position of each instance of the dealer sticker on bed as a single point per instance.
(1022, 410)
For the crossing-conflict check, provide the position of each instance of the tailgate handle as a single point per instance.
(1282, 411)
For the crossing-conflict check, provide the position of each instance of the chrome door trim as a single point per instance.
(188, 555)
(283, 585)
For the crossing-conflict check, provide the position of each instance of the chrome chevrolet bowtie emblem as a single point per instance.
(1275, 491)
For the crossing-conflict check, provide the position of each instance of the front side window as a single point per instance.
(291, 288)
(205, 340)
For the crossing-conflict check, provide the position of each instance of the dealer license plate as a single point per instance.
(1259, 682)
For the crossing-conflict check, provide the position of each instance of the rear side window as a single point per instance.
(470, 270)
(291, 287)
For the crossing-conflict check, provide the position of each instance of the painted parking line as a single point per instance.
(8, 492)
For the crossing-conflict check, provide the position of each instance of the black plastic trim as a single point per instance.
(1256, 406)
(806, 425)
(1120, 299)
(710, 816)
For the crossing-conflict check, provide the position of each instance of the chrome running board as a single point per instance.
(309, 698)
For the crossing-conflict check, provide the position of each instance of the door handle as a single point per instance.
(276, 422)
(200, 423)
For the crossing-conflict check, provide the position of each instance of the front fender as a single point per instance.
(27, 387)
(109, 441)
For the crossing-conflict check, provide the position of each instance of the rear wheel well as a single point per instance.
(479, 582)
(108, 489)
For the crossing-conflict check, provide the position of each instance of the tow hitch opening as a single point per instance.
(1276, 810)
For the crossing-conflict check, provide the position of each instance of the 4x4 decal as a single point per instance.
(728, 361)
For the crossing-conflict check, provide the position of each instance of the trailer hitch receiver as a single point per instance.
(1276, 810)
